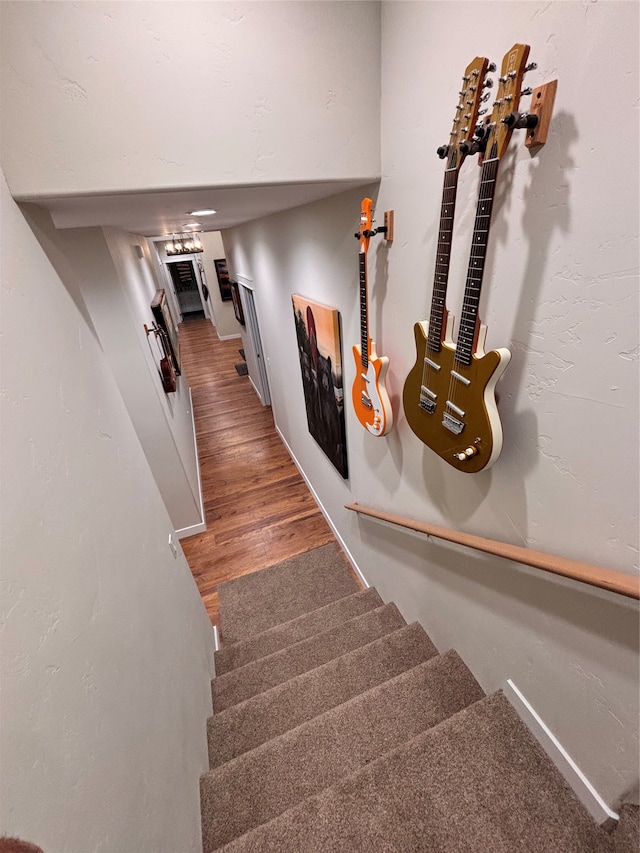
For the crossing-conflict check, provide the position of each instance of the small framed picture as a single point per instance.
(237, 304)
(162, 315)
(223, 279)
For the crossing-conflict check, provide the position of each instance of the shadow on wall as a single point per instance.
(546, 210)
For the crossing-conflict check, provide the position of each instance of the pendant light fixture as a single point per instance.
(186, 243)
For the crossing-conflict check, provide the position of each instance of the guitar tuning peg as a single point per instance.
(491, 67)
(530, 67)
(488, 83)
(485, 97)
(482, 112)
(527, 91)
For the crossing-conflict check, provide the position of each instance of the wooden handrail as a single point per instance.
(594, 575)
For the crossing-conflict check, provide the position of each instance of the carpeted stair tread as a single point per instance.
(256, 602)
(476, 782)
(626, 838)
(263, 783)
(279, 637)
(276, 711)
(255, 677)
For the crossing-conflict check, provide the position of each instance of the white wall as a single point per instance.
(117, 287)
(561, 291)
(105, 646)
(139, 280)
(267, 92)
(224, 318)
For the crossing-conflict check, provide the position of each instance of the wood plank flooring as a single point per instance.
(258, 508)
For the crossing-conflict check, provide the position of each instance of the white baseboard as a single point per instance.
(581, 786)
(343, 544)
(229, 337)
(255, 388)
(184, 532)
(202, 525)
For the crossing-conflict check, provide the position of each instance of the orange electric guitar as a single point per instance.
(449, 396)
(369, 395)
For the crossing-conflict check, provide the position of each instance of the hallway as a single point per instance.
(258, 508)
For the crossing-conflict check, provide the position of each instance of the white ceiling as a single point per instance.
(154, 214)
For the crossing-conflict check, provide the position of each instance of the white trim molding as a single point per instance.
(343, 544)
(581, 786)
(228, 337)
(202, 525)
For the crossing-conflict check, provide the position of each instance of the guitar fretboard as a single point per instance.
(364, 325)
(477, 257)
(443, 257)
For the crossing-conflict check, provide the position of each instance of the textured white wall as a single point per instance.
(105, 646)
(265, 92)
(115, 285)
(561, 291)
(137, 278)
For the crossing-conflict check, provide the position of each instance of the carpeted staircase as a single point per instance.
(338, 727)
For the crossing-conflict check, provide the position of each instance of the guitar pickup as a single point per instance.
(366, 401)
(452, 424)
(427, 399)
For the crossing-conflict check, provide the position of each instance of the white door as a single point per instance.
(254, 356)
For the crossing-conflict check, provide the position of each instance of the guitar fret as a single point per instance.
(477, 257)
(364, 331)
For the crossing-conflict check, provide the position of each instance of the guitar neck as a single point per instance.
(477, 257)
(364, 323)
(443, 258)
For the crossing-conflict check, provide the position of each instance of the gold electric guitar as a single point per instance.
(369, 395)
(449, 396)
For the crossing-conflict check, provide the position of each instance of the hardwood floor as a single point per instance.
(258, 508)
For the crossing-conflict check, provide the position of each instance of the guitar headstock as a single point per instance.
(364, 234)
(466, 117)
(497, 132)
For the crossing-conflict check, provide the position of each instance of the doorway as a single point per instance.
(186, 287)
(253, 344)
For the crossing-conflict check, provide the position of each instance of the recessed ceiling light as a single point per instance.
(205, 212)
(191, 225)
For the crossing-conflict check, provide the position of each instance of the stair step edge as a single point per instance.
(260, 645)
(292, 702)
(264, 673)
(267, 781)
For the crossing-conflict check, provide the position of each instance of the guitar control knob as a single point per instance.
(442, 151)
(466, 454)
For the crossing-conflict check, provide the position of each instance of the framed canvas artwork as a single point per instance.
(320, 351)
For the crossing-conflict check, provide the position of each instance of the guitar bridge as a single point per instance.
(452, 424)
